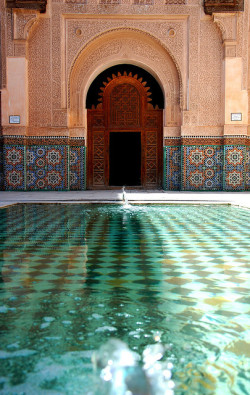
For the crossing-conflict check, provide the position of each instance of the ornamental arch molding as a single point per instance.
(24, 21)
(121, 46)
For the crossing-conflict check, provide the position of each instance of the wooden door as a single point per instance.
(124, 107)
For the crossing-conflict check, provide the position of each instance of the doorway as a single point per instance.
(125, 159)
(125, 136)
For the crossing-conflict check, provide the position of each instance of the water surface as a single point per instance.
(72, 276)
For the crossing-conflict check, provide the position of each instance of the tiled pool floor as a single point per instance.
(74, 276)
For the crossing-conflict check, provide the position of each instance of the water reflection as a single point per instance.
(74, 276)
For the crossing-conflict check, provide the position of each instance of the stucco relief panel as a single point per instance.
(80, 72)
(9, 33)
(243, 38)
(56, 61)
(168, 77)
(171, 33)
(210, 104)
(110, 49)
(192, 105)
(39, 73)
(154, 57)
(3, 34)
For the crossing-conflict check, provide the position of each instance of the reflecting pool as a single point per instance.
(168, 281)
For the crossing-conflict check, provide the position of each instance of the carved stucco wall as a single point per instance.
(116, 47)
(171, 32)
(210, 75)
(40, 75)
(145, 42)
(204, 115)
(249, 79)
(183, 49)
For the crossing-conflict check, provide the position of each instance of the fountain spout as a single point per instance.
(124, 197)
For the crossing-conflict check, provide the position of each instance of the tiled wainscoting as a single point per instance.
(207, 163)
(190, 163)
(42, 163)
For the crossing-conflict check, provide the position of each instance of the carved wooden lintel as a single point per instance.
(39, 5)
(212, 6)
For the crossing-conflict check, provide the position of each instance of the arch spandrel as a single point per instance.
(124, 46)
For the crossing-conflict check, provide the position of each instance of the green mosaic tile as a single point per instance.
(74, 276)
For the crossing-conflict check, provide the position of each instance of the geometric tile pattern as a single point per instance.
(234, 168)
(14, 167)
(73, 276)
(207, 164)
(43, 163)
(77, 168)
(203, 168)
(46, 167)
(173, 168)
(247, 168)
(195, 164)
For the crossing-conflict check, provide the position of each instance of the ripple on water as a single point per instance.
(74, 277)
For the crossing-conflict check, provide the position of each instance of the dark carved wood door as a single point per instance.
(124, 108)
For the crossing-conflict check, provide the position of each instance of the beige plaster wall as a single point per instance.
(15, 97)
(236, 99)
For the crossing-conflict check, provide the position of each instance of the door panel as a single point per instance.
(114, 158)
(151, 158)
(99, 159)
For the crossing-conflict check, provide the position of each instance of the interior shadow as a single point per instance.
(125, 159)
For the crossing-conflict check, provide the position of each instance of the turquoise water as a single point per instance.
(74, 276)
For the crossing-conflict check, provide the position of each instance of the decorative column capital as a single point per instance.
(23, 21)
(227, 23)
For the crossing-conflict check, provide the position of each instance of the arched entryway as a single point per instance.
(125, 132)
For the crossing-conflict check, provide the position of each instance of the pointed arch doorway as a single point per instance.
(125, 136)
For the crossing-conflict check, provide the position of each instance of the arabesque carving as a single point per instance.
(92, 30)
(115, 47)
